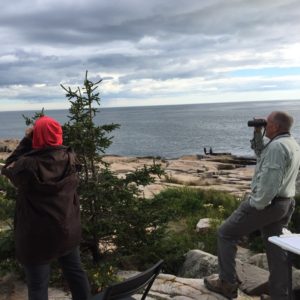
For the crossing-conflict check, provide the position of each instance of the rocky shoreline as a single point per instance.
(224, 172)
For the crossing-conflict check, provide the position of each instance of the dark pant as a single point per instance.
(37, 277)
(270, 221)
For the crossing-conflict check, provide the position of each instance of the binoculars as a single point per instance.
(257, 123)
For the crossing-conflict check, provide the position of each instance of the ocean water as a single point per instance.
(172, 131)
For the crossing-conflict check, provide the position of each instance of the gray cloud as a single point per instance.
(48, 42)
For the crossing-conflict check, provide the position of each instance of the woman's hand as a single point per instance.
(10, 165)
(29, 132)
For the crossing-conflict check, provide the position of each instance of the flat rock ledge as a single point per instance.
(8, 145)
(165, 287)
(188, 285)
(224, 172)
(227, 173)
(198, 264)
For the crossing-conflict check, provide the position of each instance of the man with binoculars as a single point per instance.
(267, 208)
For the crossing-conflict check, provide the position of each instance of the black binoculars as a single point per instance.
(257, 123)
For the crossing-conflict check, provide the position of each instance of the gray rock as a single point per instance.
(198, 264)
(243, 254)
(12, 288)
(259, 260)
(296, 279)
(176, 288)
(254, 280)
(165, 287)
(203, 225)
(7, 285)
(8, 145)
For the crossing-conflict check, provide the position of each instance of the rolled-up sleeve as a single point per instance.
(24, 146)
(257, 142)
(269, 179)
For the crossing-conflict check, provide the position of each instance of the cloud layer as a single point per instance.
(149, 52)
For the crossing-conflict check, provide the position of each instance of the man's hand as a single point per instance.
(258, 129)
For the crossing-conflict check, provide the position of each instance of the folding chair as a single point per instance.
(125, 289)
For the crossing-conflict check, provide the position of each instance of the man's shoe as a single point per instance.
(217, 285)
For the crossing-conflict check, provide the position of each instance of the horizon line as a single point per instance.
(158, 105)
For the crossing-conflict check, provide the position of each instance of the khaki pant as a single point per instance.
(270, 221)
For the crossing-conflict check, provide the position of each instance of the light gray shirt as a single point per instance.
(276, 169)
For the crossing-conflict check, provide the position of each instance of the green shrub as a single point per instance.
(184, 202)
(100, 274)
(185, 207)
(7, 246)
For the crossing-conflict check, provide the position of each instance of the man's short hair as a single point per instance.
(283, 120)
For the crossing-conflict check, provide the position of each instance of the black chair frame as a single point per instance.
(131, 286)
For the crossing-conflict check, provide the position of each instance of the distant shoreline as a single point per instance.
(162, 105)
(8, 145)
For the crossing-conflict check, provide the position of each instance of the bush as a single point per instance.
(7, 245)
(186, 202)
(185, 207)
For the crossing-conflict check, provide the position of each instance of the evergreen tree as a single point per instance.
(115, 217)
(119, 224)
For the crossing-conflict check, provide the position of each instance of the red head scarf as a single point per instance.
(46, 132)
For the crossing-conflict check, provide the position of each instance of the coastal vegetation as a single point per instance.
(121, 228)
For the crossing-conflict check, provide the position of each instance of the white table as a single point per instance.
(290, 243)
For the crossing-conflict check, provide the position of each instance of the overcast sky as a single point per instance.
(149, 52)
